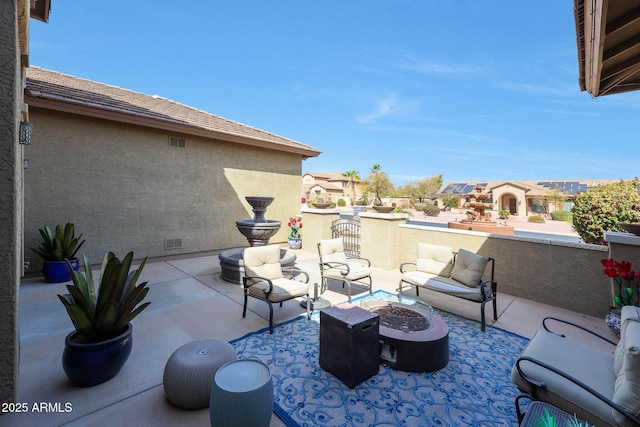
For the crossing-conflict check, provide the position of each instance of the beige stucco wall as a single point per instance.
(10, 199)
(561, 274)
(126, 188)
(317, 226)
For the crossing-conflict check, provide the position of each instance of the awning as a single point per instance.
(608, 33)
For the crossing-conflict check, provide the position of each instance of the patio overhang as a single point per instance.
(608, 39)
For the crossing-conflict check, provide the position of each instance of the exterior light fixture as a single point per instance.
(25, 164)
(25, 133)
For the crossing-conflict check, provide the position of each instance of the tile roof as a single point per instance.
(63, 92)
(531, 187)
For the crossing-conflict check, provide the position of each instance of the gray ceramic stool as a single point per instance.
(189, 372)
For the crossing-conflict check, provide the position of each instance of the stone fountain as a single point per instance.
(258, 231)
(479, 219)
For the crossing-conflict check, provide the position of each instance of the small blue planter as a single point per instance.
(57, 271)
(89, 364)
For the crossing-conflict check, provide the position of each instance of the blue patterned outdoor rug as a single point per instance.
(474, 389)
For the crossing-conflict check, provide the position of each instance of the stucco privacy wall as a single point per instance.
(556, 273)
(126, 188)
(10, 200)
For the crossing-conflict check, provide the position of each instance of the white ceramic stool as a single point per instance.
(242, 395)
(189, 372)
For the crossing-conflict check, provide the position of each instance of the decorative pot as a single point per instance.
(612, 319)
(295, 243)
(89, 364)
(383, 209)
(57, 271)
(321, 205)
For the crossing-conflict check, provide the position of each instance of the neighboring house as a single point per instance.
(144, 173)
(522, 198)
(330, 186)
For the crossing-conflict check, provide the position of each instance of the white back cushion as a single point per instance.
(435, 259)
(263, 261)
(627, 388)
(332, 250)
(469, 268)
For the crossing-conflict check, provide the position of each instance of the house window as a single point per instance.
(177, 142)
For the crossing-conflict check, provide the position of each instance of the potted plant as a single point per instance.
(295, 237)
(55, 248)
(102, 341)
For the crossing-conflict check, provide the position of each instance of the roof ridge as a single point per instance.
(154, 104)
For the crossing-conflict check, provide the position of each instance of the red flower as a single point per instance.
(611, 272)
(624, 266)
(609, 263)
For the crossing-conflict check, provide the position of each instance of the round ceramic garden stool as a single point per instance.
(190, 370)
(242, 395)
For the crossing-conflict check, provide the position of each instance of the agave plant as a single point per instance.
(104, 313)
(58, 246)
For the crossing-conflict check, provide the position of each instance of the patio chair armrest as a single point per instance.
(362, 259)
(402, 266)
(335, 264)
(245, 279)
(533, 384)
(296, 272)
(595, 334)
(483, 287)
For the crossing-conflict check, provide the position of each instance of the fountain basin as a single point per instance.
(233, 266)
(258, 233)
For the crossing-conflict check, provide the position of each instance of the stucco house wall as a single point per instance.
(126, 188)
(13, 48)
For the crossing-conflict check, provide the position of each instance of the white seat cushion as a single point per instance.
(355, 270)
(442, 284)
(283, 289)
(591, 366)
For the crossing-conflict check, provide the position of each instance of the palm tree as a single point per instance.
(353, 176)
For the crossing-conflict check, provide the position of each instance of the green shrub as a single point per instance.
(562, 216)
(601, 208)
(431, 210)
(504, 214)
(537, 219)
(342, 203)
(419, 206)
(450, 200)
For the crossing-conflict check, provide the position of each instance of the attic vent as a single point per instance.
(173, 243)
(177, 142)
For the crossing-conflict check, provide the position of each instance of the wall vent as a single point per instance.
(177, 142)
(173, 243)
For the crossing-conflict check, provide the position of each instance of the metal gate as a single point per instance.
(349, 230)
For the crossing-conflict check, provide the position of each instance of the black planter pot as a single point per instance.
(57, 271)
(89, 364)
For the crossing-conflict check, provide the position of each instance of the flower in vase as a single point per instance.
(295, 225)
(628, 281)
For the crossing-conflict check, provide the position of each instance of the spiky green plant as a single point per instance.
(60, 245)
(105, 313)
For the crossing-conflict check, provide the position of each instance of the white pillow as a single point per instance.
(435, 259)
(469, 268)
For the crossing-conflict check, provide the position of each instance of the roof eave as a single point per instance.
(167, 125)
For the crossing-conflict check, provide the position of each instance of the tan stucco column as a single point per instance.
(379, 241)
(316, 225)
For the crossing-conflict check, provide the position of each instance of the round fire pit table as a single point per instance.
(414, 339)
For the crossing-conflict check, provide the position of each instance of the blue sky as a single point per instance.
(470, 90)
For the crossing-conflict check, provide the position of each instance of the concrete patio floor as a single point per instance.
(190, 301)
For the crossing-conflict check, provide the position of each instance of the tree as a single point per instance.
(426, 188)
(378, 183)
(601, 208)
(353, 176)
(450, 200)
(555, 197)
